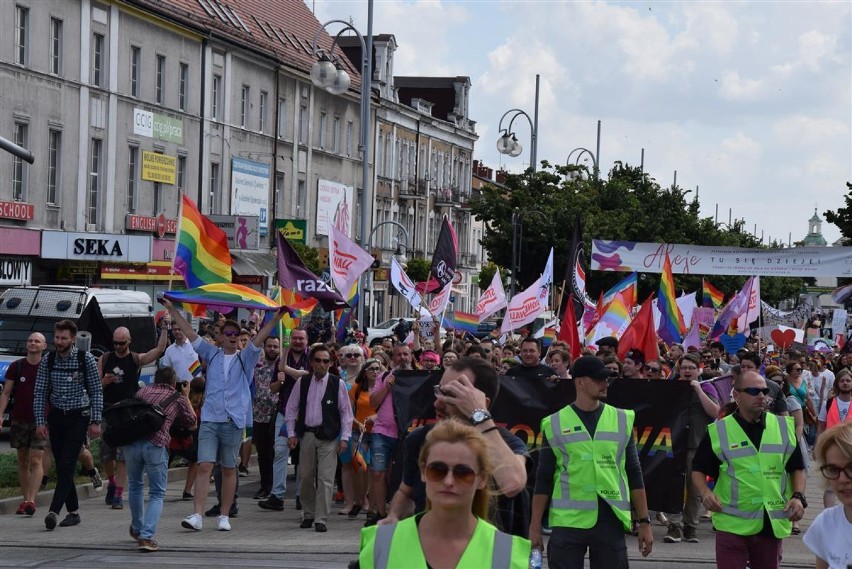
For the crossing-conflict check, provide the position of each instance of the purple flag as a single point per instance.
(294, 275)
(733, 310)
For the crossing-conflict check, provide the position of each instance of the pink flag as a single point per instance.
(493, 299)
(525, 307)
(439, 302)
(348, 260)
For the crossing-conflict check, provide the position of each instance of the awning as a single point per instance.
(254, 264)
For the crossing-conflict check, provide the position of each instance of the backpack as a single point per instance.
(132, 419)
(81, 361)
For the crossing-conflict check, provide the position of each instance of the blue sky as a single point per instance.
(750, 101)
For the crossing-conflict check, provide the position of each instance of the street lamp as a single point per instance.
(327, 73)
(508, 143)
(399, 255)
(580, 152)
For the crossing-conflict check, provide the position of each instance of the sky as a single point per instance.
(750, 102)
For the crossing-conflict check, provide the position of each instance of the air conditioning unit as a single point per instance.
(91, 227)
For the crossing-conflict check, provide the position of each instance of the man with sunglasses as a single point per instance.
(119, 371)
(654, 370)
(589, 472)
(319, 419)
(760, 479)
(226, 408)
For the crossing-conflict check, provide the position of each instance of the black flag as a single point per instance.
(444, 260)
(92, 321)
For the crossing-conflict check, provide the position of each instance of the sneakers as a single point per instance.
(243, 471)
(306, 523)
(224, 524)
(117, 503)
(70, 520)
(134, 535)
(272, 503)
(373, 518)
(339, 498)
(50, 521)
(20, 511)
(97, 482)
(690, 534)
(674, 535)
(29, 508)
(110, 494)
(187, 496)
(148, 545)
(216, 510)
(260, 495)
(192, 521)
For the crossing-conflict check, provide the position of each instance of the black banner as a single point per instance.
(660, 428)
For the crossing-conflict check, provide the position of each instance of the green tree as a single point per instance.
(418, 269)
(309, 256)
(842, 218)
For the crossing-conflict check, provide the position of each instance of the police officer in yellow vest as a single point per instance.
(589, 471)
(759, 471)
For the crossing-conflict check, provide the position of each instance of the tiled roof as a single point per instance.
(280, 29)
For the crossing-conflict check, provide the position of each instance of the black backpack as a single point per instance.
(132, 419)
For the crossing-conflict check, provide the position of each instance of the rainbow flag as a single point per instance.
(195, 368)
(344, 315)
(628, 287)
(671, 327)
(299, 307)
(613, 322)
(549, 337)
(223, 297)
(713, 297)
(202, 256)
(463, 322)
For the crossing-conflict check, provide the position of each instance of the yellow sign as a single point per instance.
(158, 167)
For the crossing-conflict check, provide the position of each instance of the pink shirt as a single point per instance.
(313, 406)
(385, 420)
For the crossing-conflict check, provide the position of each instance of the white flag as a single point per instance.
(493, 299)
(547, 275)
(439, 302)
(753, 307)
(403, 284)
(348, 260)
(525, 307)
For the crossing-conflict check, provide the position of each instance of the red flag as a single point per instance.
(640, 333)
(568, 332)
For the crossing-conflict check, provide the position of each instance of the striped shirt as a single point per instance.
(68, 386)
(179, 413)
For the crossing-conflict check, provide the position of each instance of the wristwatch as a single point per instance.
(801, 498)
(479, 416)
(645, 520)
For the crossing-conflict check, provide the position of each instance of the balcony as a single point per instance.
(410, 189)
(448, 197)
(468, 260)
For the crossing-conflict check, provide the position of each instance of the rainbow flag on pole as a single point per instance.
(202, 255)
(344, 315)
(463, 322)
(627, 287)
(671, 326)
(548, 337)
(713, 297)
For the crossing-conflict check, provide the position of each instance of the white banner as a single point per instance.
(629, 256)
(525, 306)
(403, 284)
(250, 190)
(493, 299)
(334, 206)
(348, 260)
(838, 321)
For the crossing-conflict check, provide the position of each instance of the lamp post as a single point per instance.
(508, 143)
(579, 152)
(399, 254)
(328, 74)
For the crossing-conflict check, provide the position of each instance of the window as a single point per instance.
(261, 123)
(135, 55)
(214, 188)
(335, 136)
(245, 100)
(282, 118)
(56, 46)
(98, 60)
(158, 198)
(132, 173)
(380, 156)
(54, 165)
(161, 77)
(19, 169)
(93, 195)
(184, 86)
(22, 35)
(349, 129)
(181, 174)
(217, 97)
(303, 125)
(301, 194)
(323, 127)
(279, 192)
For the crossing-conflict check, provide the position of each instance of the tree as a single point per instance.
(418, 269)
(309, 256)
(486, 275)
(842, 218)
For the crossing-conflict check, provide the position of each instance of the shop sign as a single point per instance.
(15, 272)
(20, 241)
(242, 231)
(161, 127)
(158, 167)
(155, 271)
(17, 210)
(249, 280)
(95, 247)
(293, 229)
(160, 225)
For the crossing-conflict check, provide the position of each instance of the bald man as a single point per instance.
(119, 371)
(20, 381)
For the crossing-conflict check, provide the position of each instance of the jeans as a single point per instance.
(691, 505)
(144, 457)
(219, 441)
(264, 441)
(279, 464)
(67, 436)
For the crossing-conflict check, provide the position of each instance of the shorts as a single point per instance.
(381, 452)
(364, 450)
(219, 442)
(23, 436)
(107, 452)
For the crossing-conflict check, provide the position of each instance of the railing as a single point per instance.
(468, 259)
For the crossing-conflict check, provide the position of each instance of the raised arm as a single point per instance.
(267, 329)
(157, 351)
(179, 320)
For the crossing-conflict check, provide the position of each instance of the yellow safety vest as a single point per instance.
(752, 480)
(588, 468)
(397, 546)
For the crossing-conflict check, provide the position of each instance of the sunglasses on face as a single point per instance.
(231, 333)
(832, 471)
(754, 391)
(322, 360)
(653, 369)
(437, 472)
(373, 369)
(352, 356)
(797, 369)
(119, 343)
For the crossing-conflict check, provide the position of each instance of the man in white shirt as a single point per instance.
(181, 356)
(822, 382)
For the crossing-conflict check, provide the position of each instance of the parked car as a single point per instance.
(485, 328)
(385, 329)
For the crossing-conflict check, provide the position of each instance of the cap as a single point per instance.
(636, 356)
(590, 366)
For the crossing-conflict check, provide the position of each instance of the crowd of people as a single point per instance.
(756, 419)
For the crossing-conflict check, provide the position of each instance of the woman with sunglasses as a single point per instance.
(455, 468)
(354, 472)
(351, 359)
(828, 536)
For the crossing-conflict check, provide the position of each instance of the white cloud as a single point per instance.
(816, 47)
(801, 130)
(736, 88)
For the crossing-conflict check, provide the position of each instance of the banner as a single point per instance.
(793, 318)
(838, 321)
(525, 306)
(348, 260)
(493, 299)
(334, 205)
(660, 427)
(629, 256)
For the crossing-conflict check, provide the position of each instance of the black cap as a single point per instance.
(608, 341)
(590, 366)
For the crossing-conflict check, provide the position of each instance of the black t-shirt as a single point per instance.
(539, 371)
(126, 382)
(512, 514)
(706, 461)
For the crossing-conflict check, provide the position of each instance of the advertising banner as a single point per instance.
(242, 231)
(250, 190)
(161, 127)
(294, 230)
(158, 167)
(334, 205)
(660, 427)
(629, 256)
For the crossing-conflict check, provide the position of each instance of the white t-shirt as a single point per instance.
(842, 408)
(180, 357)
(825, 377)
(828, 538)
